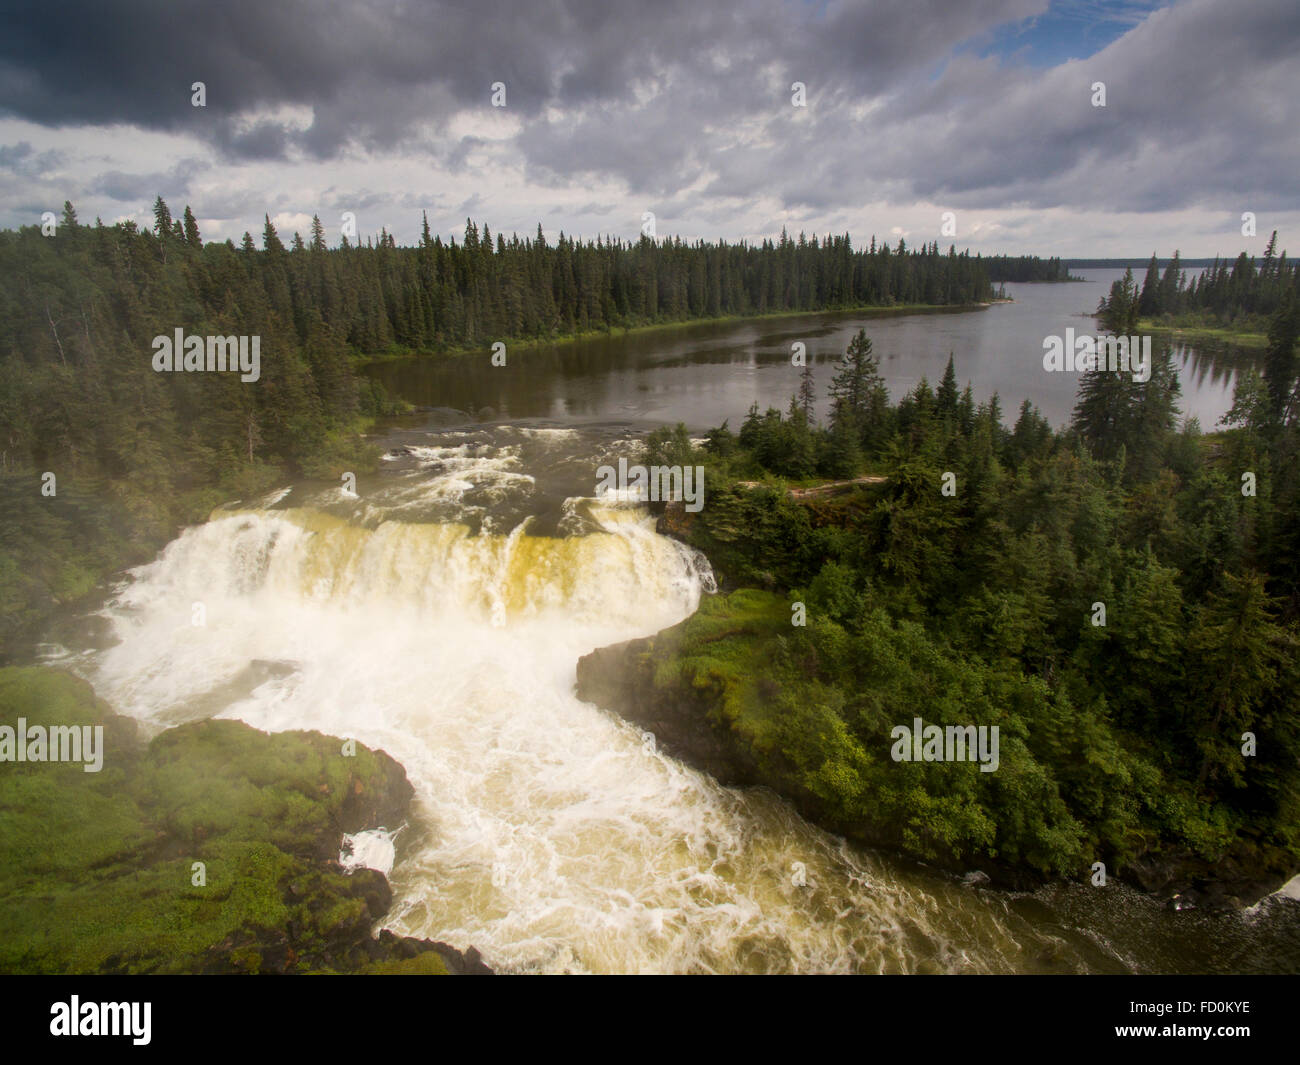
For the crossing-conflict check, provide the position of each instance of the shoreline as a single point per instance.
(1214, 334)
(621, 679)
(234, 866)
(621, 332)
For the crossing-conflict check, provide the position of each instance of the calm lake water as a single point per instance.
(702, 374)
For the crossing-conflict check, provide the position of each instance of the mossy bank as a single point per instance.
(98, 870)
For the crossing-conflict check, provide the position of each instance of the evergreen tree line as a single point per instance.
(1027, 268)
(436, 296)
(1268, 298)
(1239, 294)
(81, 307)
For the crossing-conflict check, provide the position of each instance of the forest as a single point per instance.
(1117, 737)
(1121, 597)
(1027, 268)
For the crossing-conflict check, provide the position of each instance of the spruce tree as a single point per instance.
(162, 219)
(271, 239)
(807, 393)
(947, 395)
(1233, 654)
(857, 388)
(1149, 301)
(1280, 359)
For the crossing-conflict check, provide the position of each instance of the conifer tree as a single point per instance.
(191, 229)
(807, 394)
(1280, 361)
(162, 219)
(946, 396)
(1149, 301)
(271, 239)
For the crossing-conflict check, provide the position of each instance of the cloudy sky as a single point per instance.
(683, 108)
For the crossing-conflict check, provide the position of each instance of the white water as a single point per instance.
(545, 832)
(371, 849)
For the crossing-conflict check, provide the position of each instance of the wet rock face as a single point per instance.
(1187, 882)
(676, 521)
(377, 801)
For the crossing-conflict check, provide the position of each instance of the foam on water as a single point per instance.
(372, 849)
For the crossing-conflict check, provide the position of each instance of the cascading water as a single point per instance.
(425, 616)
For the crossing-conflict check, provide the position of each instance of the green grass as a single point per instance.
(427, 964)
(1223, 334)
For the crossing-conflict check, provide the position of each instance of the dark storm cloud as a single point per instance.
(1200, 109)
(370, 69)
(687, 102)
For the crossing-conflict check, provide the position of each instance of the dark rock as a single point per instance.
(1185, 880)
(469, 963)
(378, 806)
(372, 887)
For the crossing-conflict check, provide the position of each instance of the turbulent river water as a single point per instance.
(438, 612)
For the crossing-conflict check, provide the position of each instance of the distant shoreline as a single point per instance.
(618, 332)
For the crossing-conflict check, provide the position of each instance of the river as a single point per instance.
(703, 373)
(439, 611)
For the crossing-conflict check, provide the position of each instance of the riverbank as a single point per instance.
(1215, 334)
(618, 332)
(211, 848)
(703, 689)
